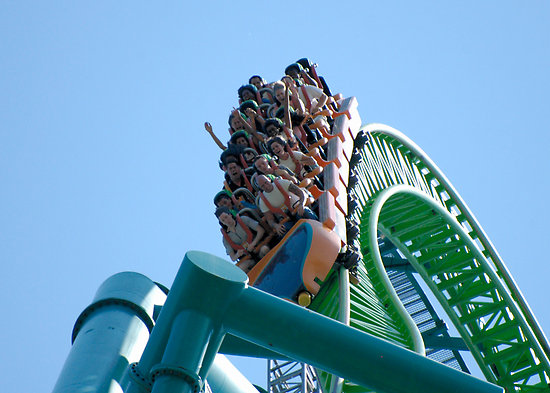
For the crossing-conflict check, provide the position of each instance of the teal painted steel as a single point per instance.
(179, 368)
(110, 334)
(203, 289)
(438, 236)
(232, 345)
(324, 343)
(223, 377)
(209, 298)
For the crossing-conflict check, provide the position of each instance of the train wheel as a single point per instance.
(304, 298)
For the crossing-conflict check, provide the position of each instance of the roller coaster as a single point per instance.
(351, 294)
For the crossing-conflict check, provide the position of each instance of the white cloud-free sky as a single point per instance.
(106, 167)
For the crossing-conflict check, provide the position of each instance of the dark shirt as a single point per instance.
(234, 186)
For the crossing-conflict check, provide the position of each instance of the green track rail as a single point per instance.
(403, 195)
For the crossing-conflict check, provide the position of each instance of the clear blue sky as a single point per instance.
(105, 165)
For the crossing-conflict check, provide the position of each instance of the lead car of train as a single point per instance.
(297, 265)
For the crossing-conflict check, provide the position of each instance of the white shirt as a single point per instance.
(276, 198)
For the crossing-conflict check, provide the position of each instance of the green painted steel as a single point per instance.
(369, 305)
(402, 195)
(450, 251)
(465, 284)
(441, 238)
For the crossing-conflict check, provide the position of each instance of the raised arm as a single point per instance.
(208, 128)
(286, 106)
(297, 103)
(255, 116)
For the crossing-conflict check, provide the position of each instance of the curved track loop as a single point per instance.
(431, 225)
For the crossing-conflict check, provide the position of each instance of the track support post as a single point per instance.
(189, 332)
(210, 297)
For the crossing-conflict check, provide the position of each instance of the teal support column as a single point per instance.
(226, 378)
(214, 346)
(210, 298)
(312, 338)
(203, 290)
(110, 334)
(184, 353)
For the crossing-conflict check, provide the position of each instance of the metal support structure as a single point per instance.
(290, 377)
(215, 292)
(110, 334)
(434, 246)
(210, 298)
(440, 346)
(188, 333)
(441, 239)
(329, 345)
